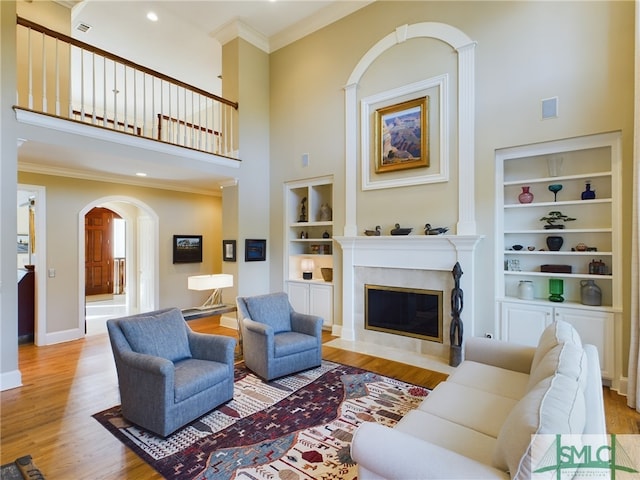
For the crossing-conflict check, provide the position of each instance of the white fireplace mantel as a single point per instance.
(425, 252)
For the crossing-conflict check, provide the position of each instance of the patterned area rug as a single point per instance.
(294, 428)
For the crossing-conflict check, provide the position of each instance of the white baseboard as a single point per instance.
(336, 330)
(9, 380)
(229, 322)
(63, 336)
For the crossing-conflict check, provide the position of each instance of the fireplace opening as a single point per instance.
(404, 311)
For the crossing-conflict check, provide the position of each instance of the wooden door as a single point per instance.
(98, 251)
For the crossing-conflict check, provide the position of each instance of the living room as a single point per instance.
(525, 52)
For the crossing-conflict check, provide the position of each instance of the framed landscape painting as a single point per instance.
(187, 248)
(401, 136)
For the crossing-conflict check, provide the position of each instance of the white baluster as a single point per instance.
(57, 79)
(44, 74)
(30, 54)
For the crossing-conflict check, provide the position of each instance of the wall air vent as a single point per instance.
(83, 27)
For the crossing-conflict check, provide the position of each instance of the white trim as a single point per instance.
(320, 19)
(440, 82)
(40, 264)
(229, 322)
(65, 335)
(9, 380)
(466, 118)
(150, 213)
(412, 252)
(235, 29)
(62, 125)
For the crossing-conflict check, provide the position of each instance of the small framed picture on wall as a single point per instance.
(255, 250)
(187, 248)
(229, 250)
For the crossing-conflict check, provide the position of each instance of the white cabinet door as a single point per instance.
(299, 296)
(524, 323)
(321, 302)
(595, 328)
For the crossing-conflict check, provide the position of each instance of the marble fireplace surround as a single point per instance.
(405, 261)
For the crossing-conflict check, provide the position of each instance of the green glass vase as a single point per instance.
(556, 289)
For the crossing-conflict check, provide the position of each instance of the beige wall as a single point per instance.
(247, 70)
(581, 52)
(178, 213)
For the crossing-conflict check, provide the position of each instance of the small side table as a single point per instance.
(194, 313)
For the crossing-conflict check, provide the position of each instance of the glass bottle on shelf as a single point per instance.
(588, 194)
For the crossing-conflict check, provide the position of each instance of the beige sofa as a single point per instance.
(478, 424)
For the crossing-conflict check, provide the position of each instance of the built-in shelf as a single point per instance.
(593, 159)
(309, 236)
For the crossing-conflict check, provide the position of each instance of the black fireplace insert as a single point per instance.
(410, 312)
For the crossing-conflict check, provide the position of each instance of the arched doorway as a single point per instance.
(105, 268)
(141, 264)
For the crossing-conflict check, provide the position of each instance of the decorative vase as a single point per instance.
(327, 274)
(556, 289)
(526, 196)
(525, 290)
(554, 243)
(555, 165)
(588, 194)
(590, 293)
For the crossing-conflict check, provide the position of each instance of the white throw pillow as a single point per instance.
(556, 405)
(556, 333)
(566, 358)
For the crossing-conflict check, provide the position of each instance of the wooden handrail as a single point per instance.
(85, 46)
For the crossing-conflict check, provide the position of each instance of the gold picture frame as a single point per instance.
(402, 136)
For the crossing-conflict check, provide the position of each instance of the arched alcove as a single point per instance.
(465, 49)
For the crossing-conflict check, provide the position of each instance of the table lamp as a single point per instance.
(307, 266)
(211, 282)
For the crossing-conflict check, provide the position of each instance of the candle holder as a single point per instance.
(556, 289)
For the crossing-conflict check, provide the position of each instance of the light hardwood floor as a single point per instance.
(49, 417)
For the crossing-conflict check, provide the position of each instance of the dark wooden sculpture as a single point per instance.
(456, 329)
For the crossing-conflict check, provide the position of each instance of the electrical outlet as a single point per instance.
(488, 335)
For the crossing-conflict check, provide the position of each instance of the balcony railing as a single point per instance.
(64, 77)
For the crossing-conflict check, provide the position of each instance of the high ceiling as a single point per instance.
(191, 27)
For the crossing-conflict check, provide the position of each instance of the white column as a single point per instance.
(466, 140)
(351, 161)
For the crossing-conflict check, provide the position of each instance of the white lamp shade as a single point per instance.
(210, 282)
(307, 265)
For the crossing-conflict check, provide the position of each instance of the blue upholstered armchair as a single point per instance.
(168, 374)
(278, 341)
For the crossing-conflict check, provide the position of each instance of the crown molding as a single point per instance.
(235, 29)
(320, 19)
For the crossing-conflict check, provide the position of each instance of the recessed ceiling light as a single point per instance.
(152, 16)
(141, 174)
